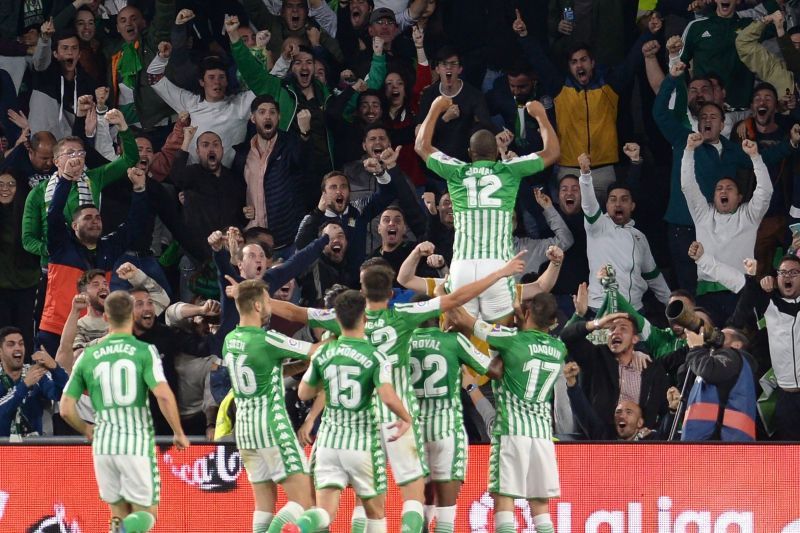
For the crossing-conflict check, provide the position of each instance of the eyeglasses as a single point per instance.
(451, 63)
(385, 22)
(72, 153)
(8, 185)
(789, 273)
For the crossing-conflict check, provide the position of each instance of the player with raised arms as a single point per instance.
(389, 330)
(484, 193)
(348, 447)
(268, 446)
(117, 372)
(522, 460)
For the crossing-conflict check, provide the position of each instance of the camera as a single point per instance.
(679, 314)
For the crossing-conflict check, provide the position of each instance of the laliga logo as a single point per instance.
(622, 522)
(216, 472)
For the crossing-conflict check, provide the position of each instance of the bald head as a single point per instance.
(483, 146)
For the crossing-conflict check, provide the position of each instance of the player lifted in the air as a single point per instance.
(522, 462)
(117, 372)
(389, 330)
(483, 194)
(436, 359)
(348, 447)
(267, 443)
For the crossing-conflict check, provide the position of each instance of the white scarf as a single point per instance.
(84, 189)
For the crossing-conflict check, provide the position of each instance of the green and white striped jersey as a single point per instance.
(389, 330)
(254, 360)
(532, 359)
(118, 372)
(349, 370)
(483, 195)
(436, 359)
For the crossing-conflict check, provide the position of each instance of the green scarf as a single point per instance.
(129, 64)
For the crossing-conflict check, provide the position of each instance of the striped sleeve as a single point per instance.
(287, 347)
(311, 375)
(471, 356)
(419, 312)
(153, 370)
(445, 166)
(76, 384)
(525, 165)
(497, 336)
(383, 373)
(325, 319)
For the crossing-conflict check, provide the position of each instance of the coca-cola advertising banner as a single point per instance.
(605, 488)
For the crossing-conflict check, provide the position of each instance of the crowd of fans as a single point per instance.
(171, 147)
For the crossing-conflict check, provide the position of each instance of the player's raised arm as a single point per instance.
(289, 311)
(552, 149)
(424, 143)
(468, 292)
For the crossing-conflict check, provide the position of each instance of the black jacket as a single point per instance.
(600, 372)
(210, 202)
(282, 183)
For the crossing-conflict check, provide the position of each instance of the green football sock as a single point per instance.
(261, 521)
(288, 514)
(313, 520)
(358, 523)
(504, 522)
(445, 519)
(139, 522)
(413, 518)
(543, 523)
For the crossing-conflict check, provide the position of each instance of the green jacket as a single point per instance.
(34, 218)
(711, 42)
(150, 108)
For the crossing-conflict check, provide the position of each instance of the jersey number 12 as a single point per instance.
(480, 191)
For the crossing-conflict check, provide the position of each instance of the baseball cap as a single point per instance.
(382, 13)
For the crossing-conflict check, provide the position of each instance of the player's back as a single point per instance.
(254, 358)
(436, 358)
(532, 361)
(350, 370)
(118, 372)
(389, 331)
(484, 194)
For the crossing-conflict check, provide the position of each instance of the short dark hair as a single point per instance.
(543, 308)
(793, 30)
(214, 133)
(350, 306)
(444, 53)
(41, 136)
(332, 293)
(77, 213)
(303, 49)
(682, 293)
(765, 86)
(251, 237)
(717, 106)
(332, 174)
(376, 262)
(327, 223)
(9, 330)
(87, 278)
(713, 76)
(394, 207)
(372, 127)
(791, 258)
(210, 63)
(63, 35)
(577, 47)
(620, 184)
(376, 282)
(119, 307)
(519, 67)
(264, 99)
